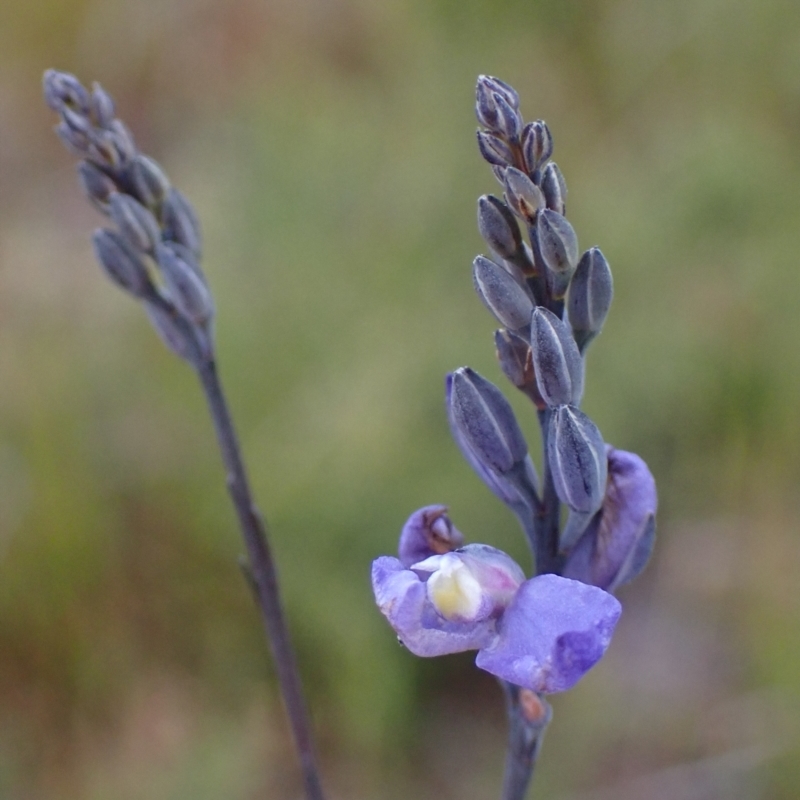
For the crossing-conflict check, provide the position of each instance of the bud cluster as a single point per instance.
(153, 248)
(551, 301)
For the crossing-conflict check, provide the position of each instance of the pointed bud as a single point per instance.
(180, 222)
(556, 361)
(150, 183)
(590, 294)
(186, 288)
(486, 92)
(62, 90)
(522, 194)
(558, 245)
(537, 145)
(501, 294)
(121, 262)
(471, 584)
(135, 222)
(494, 149)
(498, 227)
(514, 356)
(428, 532)
(97, 186)
(486, 419)
(175, 331)
(555, 188)
(509, 121)
(618, 543)
(77, 143)
(102, 106)
(577, 459)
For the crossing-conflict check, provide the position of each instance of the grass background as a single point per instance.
(328, 146)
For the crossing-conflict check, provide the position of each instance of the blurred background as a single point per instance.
(328, 146)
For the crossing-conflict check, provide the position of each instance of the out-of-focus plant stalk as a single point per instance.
(264, 577)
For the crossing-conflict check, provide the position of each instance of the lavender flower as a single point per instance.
(617, 544)
(542, 634)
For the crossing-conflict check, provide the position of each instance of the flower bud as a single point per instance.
(180, 222)
(494, 149)
(486, 420)
(471, 584)
(187, 290)
(514, 356)
(522, 194)
(498, 227)
(577, 459)
(176, 332)
(537, 145)
(556, 361)
(62, 90)
(487, 90)
(590, 294)
(617, 544)
(97, 186)
(102, 106)
(121, 262)
(557, 244)
(554, 188)
(509, 121)
(135, 222)
(501, 294)
(150, 183)
(428, 532)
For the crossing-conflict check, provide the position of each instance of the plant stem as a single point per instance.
(528, 717)
(548, 558)
(264, 577)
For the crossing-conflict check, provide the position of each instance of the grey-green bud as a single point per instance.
(135, 222)
(121, 262)
(498, 227)
(590, 293)
(555, 188)
(556, 361)
(501, 294)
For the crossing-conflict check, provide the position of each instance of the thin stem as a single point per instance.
(264, 577)
(548, 558)
(528, 717)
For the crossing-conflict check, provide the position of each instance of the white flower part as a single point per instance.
(452, 588)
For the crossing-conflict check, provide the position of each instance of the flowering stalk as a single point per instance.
(541, 635)
(153, 252)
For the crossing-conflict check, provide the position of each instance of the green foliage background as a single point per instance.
(328, 146)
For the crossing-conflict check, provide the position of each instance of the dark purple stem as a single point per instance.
(264, 577)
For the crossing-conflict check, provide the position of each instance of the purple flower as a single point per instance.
(618, 542)
(542, 634)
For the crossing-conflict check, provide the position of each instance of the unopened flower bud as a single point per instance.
(102, 106)
(590, 294)
(555, 188)
(558, 246)
(180, 222)
(556, 361)
(428, 532)
(486, 92)
(537, 145)
(494, 149)
(175, 331)
(62, 90)
(499, 228)
(121, 262)
(619, 540)
(471, 584)
(186, 288)
(135, 222)
(577, 459)
(486, 420)
(522, 194)
(150, 183)
(501, 294)
(509, 121)
(97, 186)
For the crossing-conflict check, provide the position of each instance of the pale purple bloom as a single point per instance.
(427, 532)
(542, 634)
(618, 542)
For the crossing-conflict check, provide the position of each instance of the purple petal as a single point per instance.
(402, 598)
(554, 631)
(618, 542)
(427, 532)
